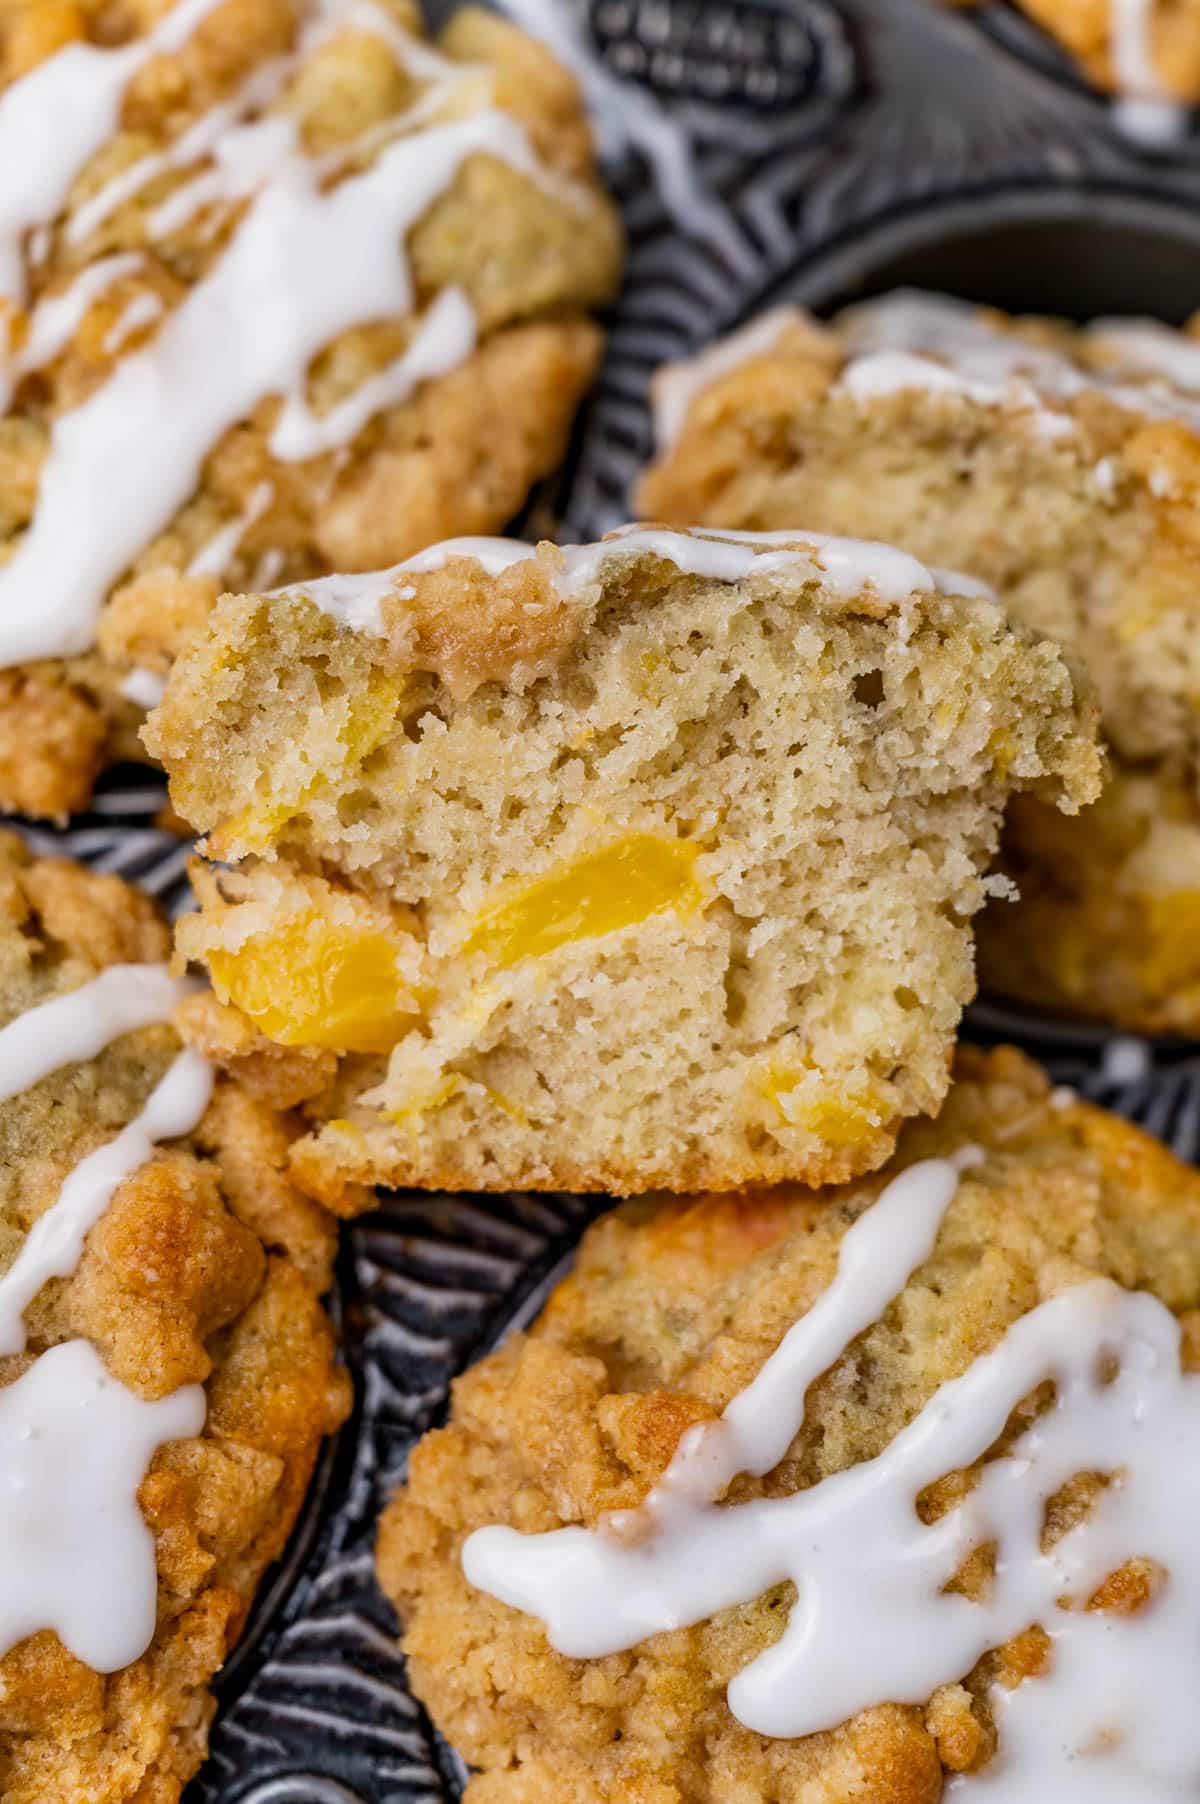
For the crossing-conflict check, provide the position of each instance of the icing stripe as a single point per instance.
(304, 265)
(54, 1244)
(75, 1553)
(55, 119)
(79, 1025)
(1110, 1718)
(848, 566)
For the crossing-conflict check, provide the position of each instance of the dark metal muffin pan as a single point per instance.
(842, 147)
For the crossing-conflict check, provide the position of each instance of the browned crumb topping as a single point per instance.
(672, 1308)
(206, 1268)
(459, 455)
(467, 629)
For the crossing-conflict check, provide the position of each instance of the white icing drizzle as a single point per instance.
(1152, 349)
(310, 258)
(75, 1553)
(893, 372)
(897, 343)
(39, 245)
(56, 319)
(304, 265)
(624, 116)
(64, 1031)
(81, 1023)
(913, 319)
(213, 559)
(1133, 64)
(676, 385)
(720, 556)
(76, 1556)
(760, 1424)
(142, 310)
(845, 565)
(145, 688)
(914, 340)
(420, 59)
(55, 119)
(355, 601)
(1104, 476)
(54, 1244)
(245, 150)
(1154, 123)
(1113, 1719)
(445, 338)
(201, 139)
(1145, 110)
(244, 160)
(267, 570)
(909, 340)
(495, 555)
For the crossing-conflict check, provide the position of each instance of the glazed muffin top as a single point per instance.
(183, 1335)
(270, 271)
(1062, 1215)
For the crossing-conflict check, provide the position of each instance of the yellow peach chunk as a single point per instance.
(318, 983)
(641, 875)
(836, 1117)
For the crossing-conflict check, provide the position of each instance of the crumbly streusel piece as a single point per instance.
(649, 863)
(205, 1268)
(1063, 467)
(322, 297)
(673, 1306)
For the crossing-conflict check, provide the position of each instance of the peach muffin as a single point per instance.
(166, 1369)
(285, 288)
(808, 1497)
(646, 863)
(1060, 465)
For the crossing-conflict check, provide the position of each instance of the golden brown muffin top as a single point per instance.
(205, 1269)
(344, 428)
(1060, 464)
(673, 1307)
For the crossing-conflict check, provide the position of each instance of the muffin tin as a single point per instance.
(838, 150)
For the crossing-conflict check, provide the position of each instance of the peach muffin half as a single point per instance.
(1060, 465)
(643, 863)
